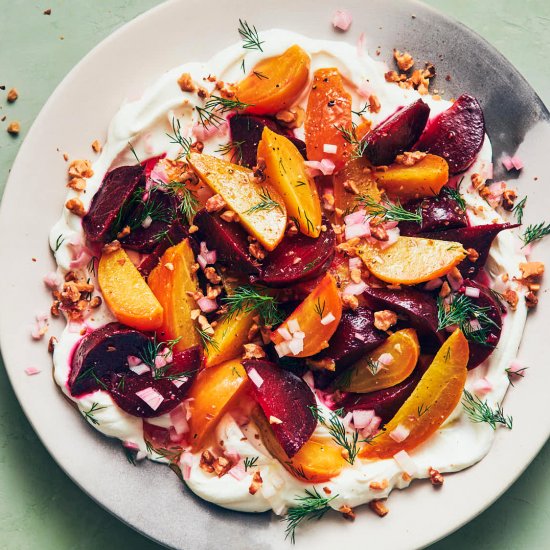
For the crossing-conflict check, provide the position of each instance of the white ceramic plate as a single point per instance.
(149, 497)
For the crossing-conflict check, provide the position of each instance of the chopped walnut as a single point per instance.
(379, 485)
(95, 302)
(78, 184)
(404, 60)
(322, 364)
(349, 301)
(394, 76)
(477, 181)
(212, 275)
(445, 290)
(472, 254)
(186, 84)
(13, 128)
(286, 116)
(193, 229)
(374, 104)
(253, 351)
(508, 198)
(52, 343)
(85, 287)
(378, 507)
(54, 309)
(531, 271)
(80, 168)
(229, 216)
(410, 158)
(256, 250)
(96, 146)
(256, 483)
(379, 232)
(124, 232)
(12, 95)
(259, 170)
(355, 275)
(384, 319)
(436, 478)
(328, 202)
(221, 466)
(113, 246)
(215, 203)
(207, 461)
(70, 293)
(511, 296)
(531, 299)
(76, 207)
(347, 512)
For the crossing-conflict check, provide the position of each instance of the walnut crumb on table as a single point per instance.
(378, 507)
(13, 128)
(12, 95)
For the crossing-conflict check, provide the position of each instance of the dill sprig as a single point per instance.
(215, 107)
(173, 454)
(249, 36)
(388, 211)
(510, 373)
(423, 409)
(266, 203)
(246, 299)
(363, 109)
(188, 203)
(461, 311)
(89, 414)
(337, 431)
(456, 195)
(233, 148)
(130, 455)
(134, 152)
(535, 232)
(250, 462)
(152, 350)
(260, 75)
(350, 135)
(58, 242)
(373, 366)
(207, 339)
(518, 209)
(320, 308)
(184, 142)
(480, 411)
(311, 506)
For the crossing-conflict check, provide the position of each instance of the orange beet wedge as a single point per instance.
(126, 292)
(328, 108)
(286, 172)
(323, 300)
(275, 83)
(432, 401)
(411, 260)
(213, 393)
(370, 374)
(319, 459)
(170, 281)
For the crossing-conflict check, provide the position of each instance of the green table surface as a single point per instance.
(40, 507)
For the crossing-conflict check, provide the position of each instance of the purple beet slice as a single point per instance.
(286, 397)
(396, 134)
(298, 258)
(438, 214)
(172, 384)
(384, 402)
(117, 189)
(229, 240)
(478, 237)
(103, 352)
(176, 233)
(419, 307)
(456, 134)
(480, 352)
(247, 131)
(355, 336)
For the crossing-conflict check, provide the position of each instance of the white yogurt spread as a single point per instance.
(459, 443)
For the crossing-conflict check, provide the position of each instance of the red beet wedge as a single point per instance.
(479, 237)
(456, 134)
(171, 383)
(396, 134)
(355, 336)
(285, 400)
(299, 258)
(117, 189)
(229, 240)
(103, 352)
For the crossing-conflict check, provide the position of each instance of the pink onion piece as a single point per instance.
(140, 369)
(517, 162)
(151, 396)
(357, 230)
(386, 359)
(31, 371)
(207, 305)
(482, 386)
(472, 292)
(325, 167)
(361, 419)
(284, 333)
(400, 433)
(255, 378)
(355, 263)
(133, 360)
(356, 217)
(433, 284)
(393, 235)
(202, 261)
(341, 20)
(354, 289)
(296, 345)
(406, 463)
(158, 174)
(178, 417)
(507, 162)
(203, 132)
(52, 280)
(238, 472)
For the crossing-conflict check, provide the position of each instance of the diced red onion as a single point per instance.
(31, 371)
(158, 174)
(133, 360)
(285, 333)
(361, 419)
(238, 472)
(139, 369)
(293, 325)
(354, 289)
(341, 20)
(357, 230)
(52, 280)
(324, 166)
(482, 386)
(187, 462)
(355, 263)
(474, 325)
(516, 367)
(517, 162)
(472, 292)
(160, 361)
(178, 418)
(296, 345)
(433, 284)
(255, 378)
(393, 235)
(372, 427)
(507, 162)
(405, 462)
(146, 223)
(330, 148)
(400, 433)
(347, 419)
(356, 217)
(178, 382)
(207, 305)
(328, 318)
(299, 334)
(202, 261)
(390, 225)
(204, 132)
(360, 336)
(386, 359)
(326, 398)
(282, 349)
(151, 396)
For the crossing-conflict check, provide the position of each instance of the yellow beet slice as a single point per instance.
(423, 179)
(411, 260)
(370, 374)
(286, 172)
(432, 401)
(261, 208)
(170, 281)
(126, 293)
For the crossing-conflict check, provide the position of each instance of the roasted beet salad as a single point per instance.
(291, 276)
